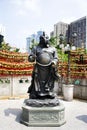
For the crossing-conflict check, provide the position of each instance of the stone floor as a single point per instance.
(75, 115)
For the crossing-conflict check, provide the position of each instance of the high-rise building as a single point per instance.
(52, 34)
(30, 39)
(75, 32)
(1, 39)
(79, 27)
(60, 28)
(2, 30)
(39, 33)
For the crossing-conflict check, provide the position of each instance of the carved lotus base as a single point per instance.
(43, 116)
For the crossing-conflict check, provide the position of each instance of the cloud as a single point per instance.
(71, 10)
(68, 20)
(16, 2)
(27, 6)
(82, 4)
(31, 4)
(21, 12)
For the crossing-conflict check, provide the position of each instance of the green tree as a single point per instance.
(5, 46)
(16, 50)
(33, 43)
(60, 51)
(53, 41)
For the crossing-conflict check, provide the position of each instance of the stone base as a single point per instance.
(43, 116)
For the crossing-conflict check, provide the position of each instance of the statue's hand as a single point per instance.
(53, 64)
(31, 58)
(59, 76)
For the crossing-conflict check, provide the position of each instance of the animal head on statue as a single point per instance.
(44, 41)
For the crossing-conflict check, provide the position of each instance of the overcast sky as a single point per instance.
(21, 18)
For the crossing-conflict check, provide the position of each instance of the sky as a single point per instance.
(21, 18)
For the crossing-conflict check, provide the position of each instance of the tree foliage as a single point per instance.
(33, 43)
(7, 47)
(61, 54)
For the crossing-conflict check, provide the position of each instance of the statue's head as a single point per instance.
(44, 39)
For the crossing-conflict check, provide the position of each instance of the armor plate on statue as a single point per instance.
(44, 59)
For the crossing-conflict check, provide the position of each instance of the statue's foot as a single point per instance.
(51, 96)
(32, 96)
(43, 96)
(46, 96)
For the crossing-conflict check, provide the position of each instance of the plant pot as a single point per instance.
(84, 82)
(68, 92)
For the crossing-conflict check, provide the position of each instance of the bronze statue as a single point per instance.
(45, 70)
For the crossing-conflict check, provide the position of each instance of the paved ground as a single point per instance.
(75, 114)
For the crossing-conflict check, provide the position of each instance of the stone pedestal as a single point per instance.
(43, 116)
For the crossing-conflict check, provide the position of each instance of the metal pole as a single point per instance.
(68, 75)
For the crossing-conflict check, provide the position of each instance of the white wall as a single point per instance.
(11, 86)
